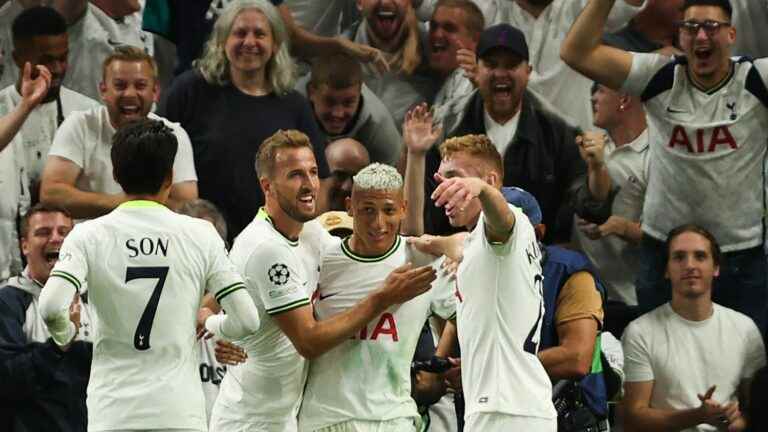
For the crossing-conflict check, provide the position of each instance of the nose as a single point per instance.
(702, 34)
(56, 237)
(337, 112)
(249, 39)
(378, 220)
(58, 67)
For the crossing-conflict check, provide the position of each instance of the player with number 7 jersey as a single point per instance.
(147, 269)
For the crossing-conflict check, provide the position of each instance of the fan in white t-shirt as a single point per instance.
(688, 362)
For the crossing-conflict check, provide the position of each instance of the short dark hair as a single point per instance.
(475, 21)
(40, 208)
(37, 21)
(142, 156)
(714, 247)
(725, 5)
(338, 71)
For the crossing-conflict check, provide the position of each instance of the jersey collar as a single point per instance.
(263, 215)
(369, 259)
(140, 204)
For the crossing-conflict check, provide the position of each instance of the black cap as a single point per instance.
(505, 36)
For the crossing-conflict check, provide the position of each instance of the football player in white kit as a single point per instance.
(364, 384)
(706, 114)
(147, 269)
(278, 254)
(499, 291)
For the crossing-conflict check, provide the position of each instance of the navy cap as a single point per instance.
(527, 202)
(504, 36)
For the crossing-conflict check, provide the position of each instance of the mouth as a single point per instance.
(52, 256)
(377, 237)
(387, 21)
(129, 109)
(439, 47)
(307, 201)
(703, 53)
(502, 91)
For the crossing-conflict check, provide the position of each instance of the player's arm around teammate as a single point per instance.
(313, 338)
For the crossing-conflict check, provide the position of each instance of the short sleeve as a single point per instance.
(443, 291)
(755, 351)
(644, 68)
(222, 278)
(72, 265)
(522, 225)
(274, 275)
(69, 140)
(637, 359)
(579, 299)
(183, 164)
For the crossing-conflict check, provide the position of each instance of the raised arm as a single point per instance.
(32, 92)
(58, 188)
(419, 135)
(313, 338)
(592, 151)
(584, 51)
(456, 193)
(307, 45)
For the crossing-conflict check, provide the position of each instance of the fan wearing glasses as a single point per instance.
(706, 112)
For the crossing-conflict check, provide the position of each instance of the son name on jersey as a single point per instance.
(147, 246)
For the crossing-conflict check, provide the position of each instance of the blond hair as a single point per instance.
(214, 64)
(479, 146)
(129, 53)
(265, 158)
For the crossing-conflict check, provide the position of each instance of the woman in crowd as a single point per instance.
(239, 93)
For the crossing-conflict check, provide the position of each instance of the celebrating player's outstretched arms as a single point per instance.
(147, 269)
(279, 256)
(501, 271)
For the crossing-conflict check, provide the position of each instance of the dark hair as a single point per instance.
(757, 417)
(142, 156)
(37, 21)
(338, 71)
(714, 247)
(40, 208)
(725, 5)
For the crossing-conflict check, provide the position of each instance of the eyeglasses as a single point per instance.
(710, 27)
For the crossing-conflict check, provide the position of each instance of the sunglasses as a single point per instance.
(710, 27)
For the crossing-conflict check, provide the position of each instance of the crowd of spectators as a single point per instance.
(638, 127)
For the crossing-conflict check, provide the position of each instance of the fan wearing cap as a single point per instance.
(536, 145)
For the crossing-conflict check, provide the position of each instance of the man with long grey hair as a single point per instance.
(239, 94)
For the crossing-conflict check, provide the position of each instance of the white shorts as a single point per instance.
(219, 424)
(498, 422)
(396, 425)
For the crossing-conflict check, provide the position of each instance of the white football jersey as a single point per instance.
(368, 376)
(147, 269)
(280, 275)
(707, 148)
(498, 317)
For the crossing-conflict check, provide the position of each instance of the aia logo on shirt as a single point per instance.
(702, 140)
(385, 327)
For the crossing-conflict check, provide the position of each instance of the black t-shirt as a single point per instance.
(187, 23)
(226, 128)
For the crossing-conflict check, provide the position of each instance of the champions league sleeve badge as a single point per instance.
(279, 274)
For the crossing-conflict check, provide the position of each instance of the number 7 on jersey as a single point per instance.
(144, 328)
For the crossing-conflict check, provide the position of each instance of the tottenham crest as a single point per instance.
(279, 274)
